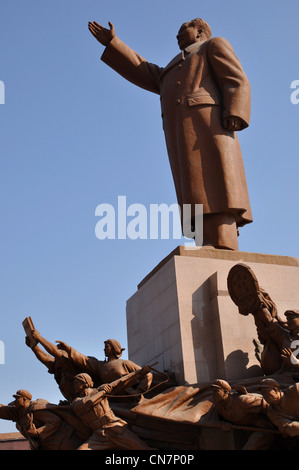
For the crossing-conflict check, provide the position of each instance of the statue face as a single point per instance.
(19, 402)
(293, 322)
(108, 350)
(79, 387)
(187, 35)
(271, 395)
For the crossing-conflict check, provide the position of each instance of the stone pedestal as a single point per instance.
(183, 318)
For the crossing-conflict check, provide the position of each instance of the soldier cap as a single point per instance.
(116, 347)
(221, 384)
(85, 378)
(292, 313)
(269, 383)
(23, 393)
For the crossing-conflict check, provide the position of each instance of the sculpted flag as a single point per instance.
(190, 404)
(193, 404)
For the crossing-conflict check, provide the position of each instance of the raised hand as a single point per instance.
(103, 35)
(35, 334)
(287, 355)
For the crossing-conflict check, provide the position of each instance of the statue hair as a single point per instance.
(199, 23)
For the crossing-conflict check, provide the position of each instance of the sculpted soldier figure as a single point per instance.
(205, 99)
(57, 362)
(112, 368)
(279, 337)
(92, 407)
(245, 409)
(43, 428)
(239, 408)
(283, 410)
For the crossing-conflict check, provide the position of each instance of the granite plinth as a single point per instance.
(183, 318)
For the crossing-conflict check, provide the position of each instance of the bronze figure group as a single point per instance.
(84, 419)
(96, 391)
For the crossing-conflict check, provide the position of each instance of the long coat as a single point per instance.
(198, 88)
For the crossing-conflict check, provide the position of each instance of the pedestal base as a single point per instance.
(183, 318)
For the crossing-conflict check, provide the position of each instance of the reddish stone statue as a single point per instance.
(279, 337)
(113, 368)
(57, 362)
(243, 408)
(92, 407)
(283, 409)
(205, 99)
(41, 423)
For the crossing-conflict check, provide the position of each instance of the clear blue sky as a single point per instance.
(74, 135)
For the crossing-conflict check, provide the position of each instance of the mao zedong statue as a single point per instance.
(205, 99)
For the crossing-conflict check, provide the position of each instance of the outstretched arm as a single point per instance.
(128, 63)
(8, 412)
(41, 355)
(49, 347)
(87, 364)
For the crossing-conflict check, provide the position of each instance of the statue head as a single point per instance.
(221, 390)
(22, 398)
(270, 390)
(82, 382)
(113, 349)
(196, 30)
(292, 317)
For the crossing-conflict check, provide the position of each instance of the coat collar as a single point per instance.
(192, 49)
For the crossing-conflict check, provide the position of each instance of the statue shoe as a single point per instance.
(244, 289)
